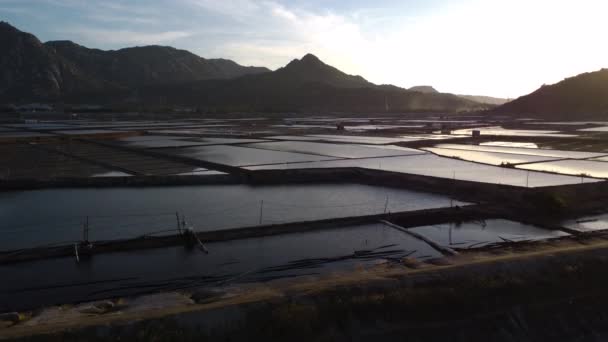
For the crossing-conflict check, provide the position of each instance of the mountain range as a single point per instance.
(159, 76)
(580, 97)
(32, 70)
(63, 71)
(492, 101)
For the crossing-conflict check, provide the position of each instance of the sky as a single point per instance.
(502, 48)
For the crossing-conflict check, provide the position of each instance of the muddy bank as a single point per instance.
(554, 293)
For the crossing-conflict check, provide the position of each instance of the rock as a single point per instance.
(206, 295)
(92, 309)
(11, 317)
(411, 263)
(105, 305)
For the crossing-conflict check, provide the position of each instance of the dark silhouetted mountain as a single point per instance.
(581, 97)
(484, 100)
(306, 84)
(311, 69)
(147, 65)
(32, 71)
(157, 76)
(424, 89)
(28, 70)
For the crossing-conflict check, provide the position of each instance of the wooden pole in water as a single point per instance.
(179, 227)
(261, 211)
(76, 252)
(386, 204)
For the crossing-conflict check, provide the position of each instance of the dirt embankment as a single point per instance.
(552, 291)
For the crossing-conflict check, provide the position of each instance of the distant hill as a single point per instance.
(424, 89)
(159, 76)
(581, 97)
(485, 100)
(496, 101)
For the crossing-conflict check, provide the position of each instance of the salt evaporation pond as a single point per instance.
(509, 144)
(494, 158)
(598, 169)
(568, 123)
(336, 150)
(367, 140)
(40, 217)
(497, 130)
(526, 151)
(60, 281)
(435, 166)
(363, 128)
(243, 156)
(160, 141)
(351, 139)
(167, 142)
(40, 126)
(596, 129)
(87, 131)
(479, 234)
(139, 138)
(589, 223)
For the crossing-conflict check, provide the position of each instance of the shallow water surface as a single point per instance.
(243, 156)
(479, 234)
(34, 218)
(435, 166)
(336, 150)
(59, 281)
(589, 223)
(509, 144)
(494, 158)
(525, 151)
(598, 169)
(497, 130)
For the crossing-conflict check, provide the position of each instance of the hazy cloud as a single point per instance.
(128, 37)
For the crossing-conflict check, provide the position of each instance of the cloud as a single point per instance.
(127, 37)
(281, 12)
(272, 34)
(236, 9)
(105, 18)
(14, 10)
